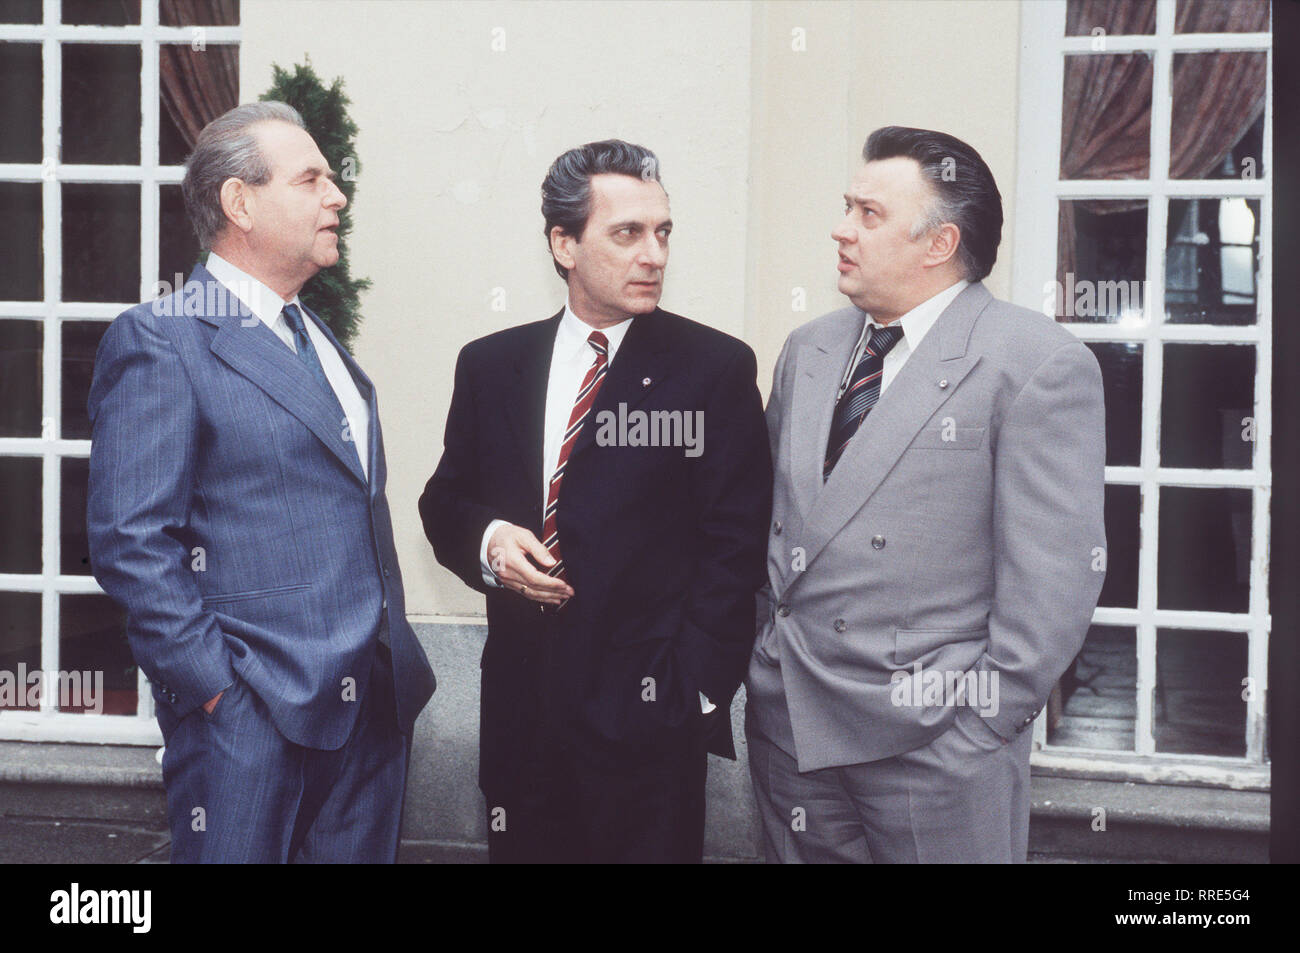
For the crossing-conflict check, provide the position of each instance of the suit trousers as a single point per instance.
(574, 804)
(238, 791)
(962, 798)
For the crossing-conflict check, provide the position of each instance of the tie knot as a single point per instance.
(294, 317)
(883, 339)
(599, 343)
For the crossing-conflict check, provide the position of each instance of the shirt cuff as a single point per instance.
(489, 577)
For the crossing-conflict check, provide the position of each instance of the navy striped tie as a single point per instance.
(862, 393)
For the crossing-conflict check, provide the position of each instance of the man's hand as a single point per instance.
(508, 552)
(211, 704)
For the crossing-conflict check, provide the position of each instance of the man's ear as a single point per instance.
(562, 247)
(237, 203)
(943, 244)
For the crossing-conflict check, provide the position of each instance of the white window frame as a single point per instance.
(1042, 68)
(49, 724)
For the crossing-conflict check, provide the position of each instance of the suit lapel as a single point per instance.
(640, 365)
(525, 404)
(820, 366)
(911, 400)
(255, 352)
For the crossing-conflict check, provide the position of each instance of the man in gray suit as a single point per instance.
(937, 544)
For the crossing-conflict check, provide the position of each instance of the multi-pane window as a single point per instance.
(99, 103)
(1142, 222)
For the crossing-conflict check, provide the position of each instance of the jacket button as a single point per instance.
(776, 527)
(385, 572)
(172, 698)
(783, 610)
(877, 542)
(840, 625)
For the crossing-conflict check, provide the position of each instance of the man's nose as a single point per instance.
(654, 252)
(842, 232)
(334, 197)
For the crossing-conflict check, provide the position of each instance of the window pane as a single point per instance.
(1112, 17)
(214, 13)
(21, 350)
(1204, 549)
(178, 249)
(20, 11)
(20, 105)
(101, 243)
(20, 514)
(1207, 407)
(92, 643)
(172, 148)
(1211, 261)
(1218, 116)
(1123, 512)
(74, 546)
(1216, 16)
(1106, 116)
(1099, 693)
(20, 642)
(215, 67)
(101, 103)
(102, 12)
(1121, 372)
(1199, 706)
(21, 277)
(1101, 261)
(80, 341)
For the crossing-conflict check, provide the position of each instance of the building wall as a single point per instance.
(757, 111)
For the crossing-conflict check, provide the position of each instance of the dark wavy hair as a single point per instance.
(566, 191)
(965, 193)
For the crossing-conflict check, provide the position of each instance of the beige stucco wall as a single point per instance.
(758, 128)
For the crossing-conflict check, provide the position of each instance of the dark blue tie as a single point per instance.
(307, 354)
(862, 393)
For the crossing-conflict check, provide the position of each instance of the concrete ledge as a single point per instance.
(1145, 823)
(25, 762)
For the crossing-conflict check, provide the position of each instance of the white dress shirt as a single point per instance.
(571, 358)
(268, 306)
(915, 323)
(570, 361)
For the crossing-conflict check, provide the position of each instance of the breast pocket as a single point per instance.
(949, 438)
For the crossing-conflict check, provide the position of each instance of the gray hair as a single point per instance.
(566, 191)
(228, 149)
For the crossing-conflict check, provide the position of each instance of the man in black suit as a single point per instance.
(606, 482)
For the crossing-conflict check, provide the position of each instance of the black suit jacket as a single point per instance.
(664, 551)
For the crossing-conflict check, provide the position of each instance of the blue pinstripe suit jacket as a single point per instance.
(231, 519)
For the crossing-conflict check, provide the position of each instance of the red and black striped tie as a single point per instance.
(861, 396)
(581, 408)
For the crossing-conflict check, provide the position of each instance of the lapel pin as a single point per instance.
(645, 382)
(943, 384)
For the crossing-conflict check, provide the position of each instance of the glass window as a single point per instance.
(22, 346)
(1098, 693)
(95, 269)
(101, 103)
(20, 106)
(20, 506)
(93, 647)
(1199, 704)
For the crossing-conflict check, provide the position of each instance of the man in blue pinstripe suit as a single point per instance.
(237, 512)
